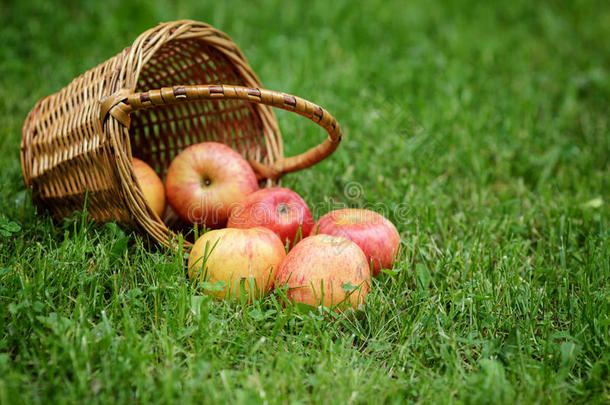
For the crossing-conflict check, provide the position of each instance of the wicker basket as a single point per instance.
(149, 102)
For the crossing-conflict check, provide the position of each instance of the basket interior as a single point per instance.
(159, 134)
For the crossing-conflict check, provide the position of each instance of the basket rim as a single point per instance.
(143, 49)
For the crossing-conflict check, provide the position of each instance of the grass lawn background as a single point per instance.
(481, 129)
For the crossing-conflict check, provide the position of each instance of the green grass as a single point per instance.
(481, 130)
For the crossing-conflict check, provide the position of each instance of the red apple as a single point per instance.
(151, 186)
(376, 235)
(206, 180)
(279, 209)
(326, 270)
(239, 258)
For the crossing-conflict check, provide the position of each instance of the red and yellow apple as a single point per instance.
(279, 209)
(375, 234)
(206, 180)
(326, 270)
(151, 186)
(246, 261)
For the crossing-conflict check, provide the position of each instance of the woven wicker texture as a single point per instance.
(180, 83)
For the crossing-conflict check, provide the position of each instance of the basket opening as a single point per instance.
(158, 135)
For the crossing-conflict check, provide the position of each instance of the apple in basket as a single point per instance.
(326, 270)
(151, 186)
(237, 262)
(375, 234)
(205, 181)
(279, 209)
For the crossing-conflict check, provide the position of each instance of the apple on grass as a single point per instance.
(151, 186)
(205, 181)
(326, 270)
(279, 209)
(237, 262)
(375, 234)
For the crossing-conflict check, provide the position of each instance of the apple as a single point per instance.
(326, 270)
(151, 186)
(246, 261)
(375, 234)
(279, 209)
(206, 180)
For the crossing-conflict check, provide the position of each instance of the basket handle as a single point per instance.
(124, 102)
